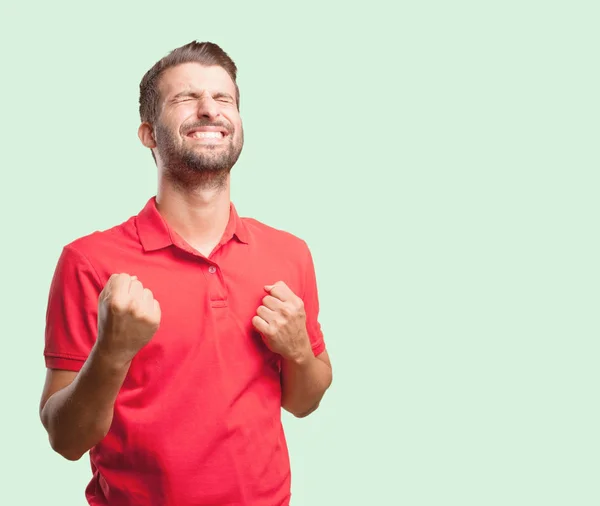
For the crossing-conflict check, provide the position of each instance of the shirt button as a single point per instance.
(212, 269)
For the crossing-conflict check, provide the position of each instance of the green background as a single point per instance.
(440, 159)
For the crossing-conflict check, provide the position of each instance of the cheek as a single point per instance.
(239, 129)
(233, 117)
(180, 117)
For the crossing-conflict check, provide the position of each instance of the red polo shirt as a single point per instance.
(198, 419)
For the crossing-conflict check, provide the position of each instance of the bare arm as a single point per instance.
(304, 382)
(77, 408)
(281, 321)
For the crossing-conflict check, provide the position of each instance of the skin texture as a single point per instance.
(193, 196)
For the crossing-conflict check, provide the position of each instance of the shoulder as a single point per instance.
(273, 238)
(101, 243)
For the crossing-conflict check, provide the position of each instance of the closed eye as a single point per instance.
(223, 98)
(183, 98)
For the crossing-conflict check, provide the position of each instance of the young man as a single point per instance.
(174, 339)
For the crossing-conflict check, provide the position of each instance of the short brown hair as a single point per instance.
(205, 53)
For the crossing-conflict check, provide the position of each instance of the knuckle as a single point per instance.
(116, 299)
(136, 311)
(147, 318)
(116, 305)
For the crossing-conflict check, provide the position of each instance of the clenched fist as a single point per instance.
(128, 317)
(281, 321)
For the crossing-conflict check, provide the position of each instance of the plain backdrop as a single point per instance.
(441, 160)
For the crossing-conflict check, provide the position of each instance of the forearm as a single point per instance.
(304, 383)
(79, 416)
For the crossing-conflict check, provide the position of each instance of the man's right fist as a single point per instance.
(128, 317)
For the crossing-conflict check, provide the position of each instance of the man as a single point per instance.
(174, 339)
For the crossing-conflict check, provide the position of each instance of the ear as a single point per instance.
(146, 135)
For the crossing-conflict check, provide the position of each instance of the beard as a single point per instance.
(205, 166)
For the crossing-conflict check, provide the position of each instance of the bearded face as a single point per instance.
(201, 147)
(198, 134)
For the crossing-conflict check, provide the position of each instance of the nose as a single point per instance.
(207, 107)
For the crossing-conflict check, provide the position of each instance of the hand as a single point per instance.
(281, 321)
(128, 317)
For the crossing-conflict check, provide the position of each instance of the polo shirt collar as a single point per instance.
(155, 233)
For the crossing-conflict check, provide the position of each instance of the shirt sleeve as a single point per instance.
(311, 306)
(72, 312)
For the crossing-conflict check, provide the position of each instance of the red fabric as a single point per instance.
(198, 419)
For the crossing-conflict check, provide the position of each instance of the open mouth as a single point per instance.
(210, 134)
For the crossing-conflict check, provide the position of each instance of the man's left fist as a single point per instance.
(281, 321)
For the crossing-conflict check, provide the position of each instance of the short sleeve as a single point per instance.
(72, 312)
(311, 306)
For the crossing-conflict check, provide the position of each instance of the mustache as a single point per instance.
(202, 123)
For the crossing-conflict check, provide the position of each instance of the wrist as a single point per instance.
(109, 360)
(300, 357)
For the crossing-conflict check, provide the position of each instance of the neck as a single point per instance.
(199, 215)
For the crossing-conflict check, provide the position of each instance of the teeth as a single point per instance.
(207, 135)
